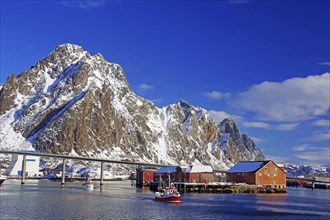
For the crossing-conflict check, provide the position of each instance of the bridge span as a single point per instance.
(315, 179)
(65, 157)
(219, 173)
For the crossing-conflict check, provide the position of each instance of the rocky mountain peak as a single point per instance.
(69, 52)
(71, 48)
(183, 104)
(238, 146)
(228, 125)
(72, 101)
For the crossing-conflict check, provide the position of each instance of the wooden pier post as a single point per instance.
(23, 169)
(313, 184)
(63, 173)
(101, 177)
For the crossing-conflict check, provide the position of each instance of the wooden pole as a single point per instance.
(313, 184)
(23, 169)
(101, 177)
(63, 173)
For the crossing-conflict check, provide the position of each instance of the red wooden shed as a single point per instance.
(258, 173)
(199, 174)
(144, 176)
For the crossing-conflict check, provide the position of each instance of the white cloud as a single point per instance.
(219, 116)
(305, 154)
(320, 136)
(319, 156)
(258, 140)
(303, 147)
(277, 159)
(286, 127)
(324, 63)
(280, 127)
(322, 122)
(157, 100)
(256, 124)
(84, 4)
(143, 88)
(295, 99)
(217, 95)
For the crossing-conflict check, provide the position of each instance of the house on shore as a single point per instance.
(176, 173)
(188, 174)
(220, 176)
(199, 174)
(266, 173)
(32, 164)
(144, 176)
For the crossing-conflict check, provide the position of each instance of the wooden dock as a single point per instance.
(220, 187)
(225, 188)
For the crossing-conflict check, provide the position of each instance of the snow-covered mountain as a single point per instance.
(307, 170)
(74, 103)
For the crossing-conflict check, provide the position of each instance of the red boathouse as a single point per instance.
(265, 173)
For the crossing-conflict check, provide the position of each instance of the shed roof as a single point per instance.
(143, 168)
(169, 169)
(183, 167)
(247, 166)
(199, 169)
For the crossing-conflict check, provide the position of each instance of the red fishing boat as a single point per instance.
(88, 185)
(167, 193)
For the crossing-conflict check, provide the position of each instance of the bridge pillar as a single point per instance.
(101, 177)
(313, 183)
(23, 169)
(63, 173)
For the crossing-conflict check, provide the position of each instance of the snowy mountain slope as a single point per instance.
(306, 170)
(73, 102)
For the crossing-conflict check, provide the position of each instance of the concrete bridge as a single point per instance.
(102, 161)
(316, 179)
(219, 173)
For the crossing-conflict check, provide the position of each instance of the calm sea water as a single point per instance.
(44, 199)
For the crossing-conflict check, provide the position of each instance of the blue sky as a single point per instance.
(264, 63)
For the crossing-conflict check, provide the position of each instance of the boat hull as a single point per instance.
(88, 186)
(168, 199)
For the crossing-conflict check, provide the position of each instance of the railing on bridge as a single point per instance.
(65, 157)
(315, 179)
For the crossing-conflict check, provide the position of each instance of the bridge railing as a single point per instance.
(65, 157)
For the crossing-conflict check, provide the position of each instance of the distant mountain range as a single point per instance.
(307, 170)
(72, 102)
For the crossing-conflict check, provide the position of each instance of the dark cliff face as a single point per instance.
(7, 94)
(73, 101)
(240, 147)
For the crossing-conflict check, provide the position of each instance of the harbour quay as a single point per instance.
(221, 187)
(244, 177)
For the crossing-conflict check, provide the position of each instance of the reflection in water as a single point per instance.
(290, 211)
(119, 200)
(272, 199)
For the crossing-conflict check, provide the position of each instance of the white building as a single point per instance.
(15, 166)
